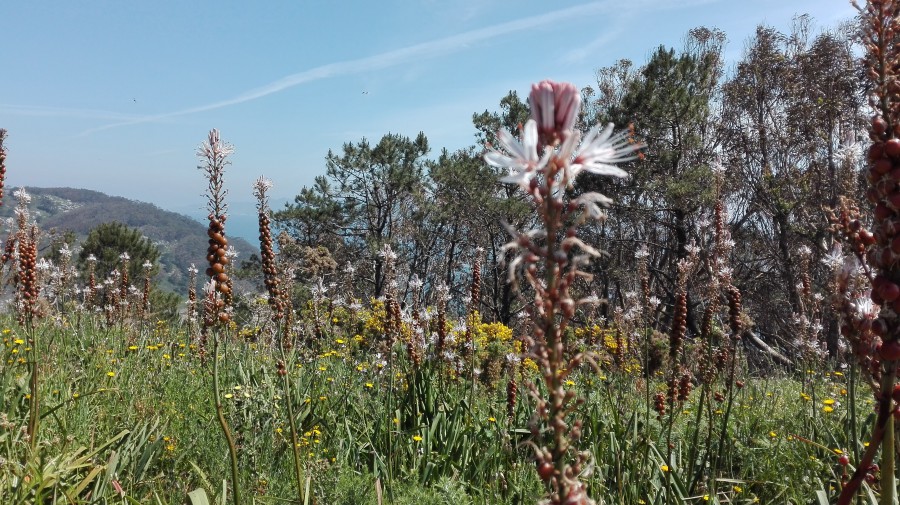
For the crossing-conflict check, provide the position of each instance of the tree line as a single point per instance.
(782, 122)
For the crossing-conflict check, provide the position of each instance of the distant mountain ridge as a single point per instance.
(181, 240)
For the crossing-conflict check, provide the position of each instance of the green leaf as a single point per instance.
(198, 497)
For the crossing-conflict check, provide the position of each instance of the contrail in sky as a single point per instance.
(42, 111)
(425, 50)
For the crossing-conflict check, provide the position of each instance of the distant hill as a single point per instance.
(181, 239)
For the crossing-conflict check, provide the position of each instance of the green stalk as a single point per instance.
(888, 476)
(670, 422)
(295, 441)
(854, 435)
(647, 397)
(732, 368)
(723, 435)
(390, 430)
(695, 440)
(232, 449)
(703, 398)
(854, 427)
(34, 407)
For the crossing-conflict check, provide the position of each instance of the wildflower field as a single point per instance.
(699, 305)
(129, 418)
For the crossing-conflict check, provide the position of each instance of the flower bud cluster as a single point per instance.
(123, 270)
(90, 291)
(214, 152)
(685, 386)
(441, 321)
(679, 324)
(733, 295)
(277, 300)
(879, 34)
(659, 405)
(145, 293)
(9, 248)
(512, 392)
(192, 294)
(2, 163)
(216, 256)
(883, 252)
(28, 288)
(851, 290)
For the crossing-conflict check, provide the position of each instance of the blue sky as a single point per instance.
(115, 96)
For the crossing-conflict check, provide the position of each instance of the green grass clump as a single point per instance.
(127, 417)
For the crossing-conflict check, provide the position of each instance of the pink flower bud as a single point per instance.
(555, 107)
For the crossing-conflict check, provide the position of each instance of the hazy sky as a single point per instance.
(115, 95)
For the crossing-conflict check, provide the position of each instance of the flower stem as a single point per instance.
(34, 408)
(295, 441)
(223, 423)
(888, 479)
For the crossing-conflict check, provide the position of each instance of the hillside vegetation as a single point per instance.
(181, 239)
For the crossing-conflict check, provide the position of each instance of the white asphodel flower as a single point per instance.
(213, 148)
(593, 203)
(263, 184)
(260, 187)
(600, 151)
(835, 258)
(522, 160)
(865, 309)
(22, 196)
(717, 167)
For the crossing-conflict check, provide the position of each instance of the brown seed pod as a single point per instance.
(890, 351)
(892, 148)
(882, 166)
(876, 151)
